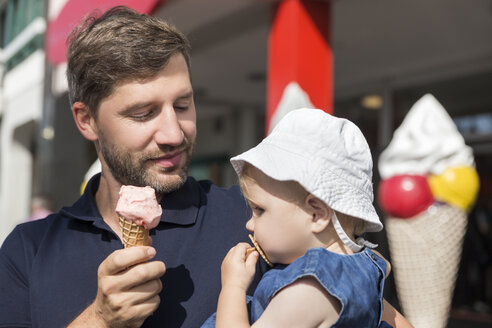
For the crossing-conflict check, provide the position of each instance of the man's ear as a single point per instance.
(84, 120)
(321, 213)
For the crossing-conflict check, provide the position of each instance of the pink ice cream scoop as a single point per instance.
(139, 205)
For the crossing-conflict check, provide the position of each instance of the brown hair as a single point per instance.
(118, 46)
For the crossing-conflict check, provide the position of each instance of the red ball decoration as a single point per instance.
(404, 196)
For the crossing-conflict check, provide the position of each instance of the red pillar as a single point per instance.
(299, 54)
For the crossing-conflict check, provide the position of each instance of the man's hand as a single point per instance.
(128, 290)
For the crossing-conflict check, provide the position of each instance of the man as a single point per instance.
(131, 95)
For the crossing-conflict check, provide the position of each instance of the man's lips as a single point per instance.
(169, 161)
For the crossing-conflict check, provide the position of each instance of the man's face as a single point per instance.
(146, 129)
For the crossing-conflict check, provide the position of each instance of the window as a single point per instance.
(15, 17)
(3, 14)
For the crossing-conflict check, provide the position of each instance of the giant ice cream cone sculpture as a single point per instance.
(428, 184)
(138, 212)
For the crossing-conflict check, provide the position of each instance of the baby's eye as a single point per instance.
(257, 210)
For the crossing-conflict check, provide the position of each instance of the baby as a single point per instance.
(309, 186)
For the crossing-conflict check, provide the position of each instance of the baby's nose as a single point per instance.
(250, 226)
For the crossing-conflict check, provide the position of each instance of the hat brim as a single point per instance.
(336, 192)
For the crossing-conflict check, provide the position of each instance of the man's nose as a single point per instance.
(168, 130)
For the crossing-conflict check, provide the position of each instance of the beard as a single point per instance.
(132, 169)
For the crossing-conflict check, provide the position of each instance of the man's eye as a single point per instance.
(143, 116)
(181, 108)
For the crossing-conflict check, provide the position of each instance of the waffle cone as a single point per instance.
(133, 234)
(425, 255)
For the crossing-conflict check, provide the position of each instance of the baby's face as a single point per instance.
(281, 226)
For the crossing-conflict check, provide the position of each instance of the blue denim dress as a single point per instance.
(356, 280)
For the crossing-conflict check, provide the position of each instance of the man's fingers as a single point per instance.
(143, 273)
(133, 295)
(144, 293)
(138, 295)
(132, 278)
(121, 259)
(130, 313)
(144, 309)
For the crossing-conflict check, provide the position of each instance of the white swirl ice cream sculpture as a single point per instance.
(428, 183)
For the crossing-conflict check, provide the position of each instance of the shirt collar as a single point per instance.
(178, 207)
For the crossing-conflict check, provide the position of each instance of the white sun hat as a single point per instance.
(328, 156)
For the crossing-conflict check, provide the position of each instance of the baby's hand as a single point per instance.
(237, 269)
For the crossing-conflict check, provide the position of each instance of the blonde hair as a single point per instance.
(351, 224)
(294, 192)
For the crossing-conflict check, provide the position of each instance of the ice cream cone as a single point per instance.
(425, 255)
(133, 234)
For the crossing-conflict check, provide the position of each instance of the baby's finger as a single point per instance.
(252, 258)
(238, 251)
(241, 247)
(249, 251)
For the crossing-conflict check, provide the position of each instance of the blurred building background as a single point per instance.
(387, 54)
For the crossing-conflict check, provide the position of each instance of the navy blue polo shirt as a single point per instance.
(48, 268)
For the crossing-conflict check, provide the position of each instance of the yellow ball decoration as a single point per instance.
(82, 186)
(456, 186)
